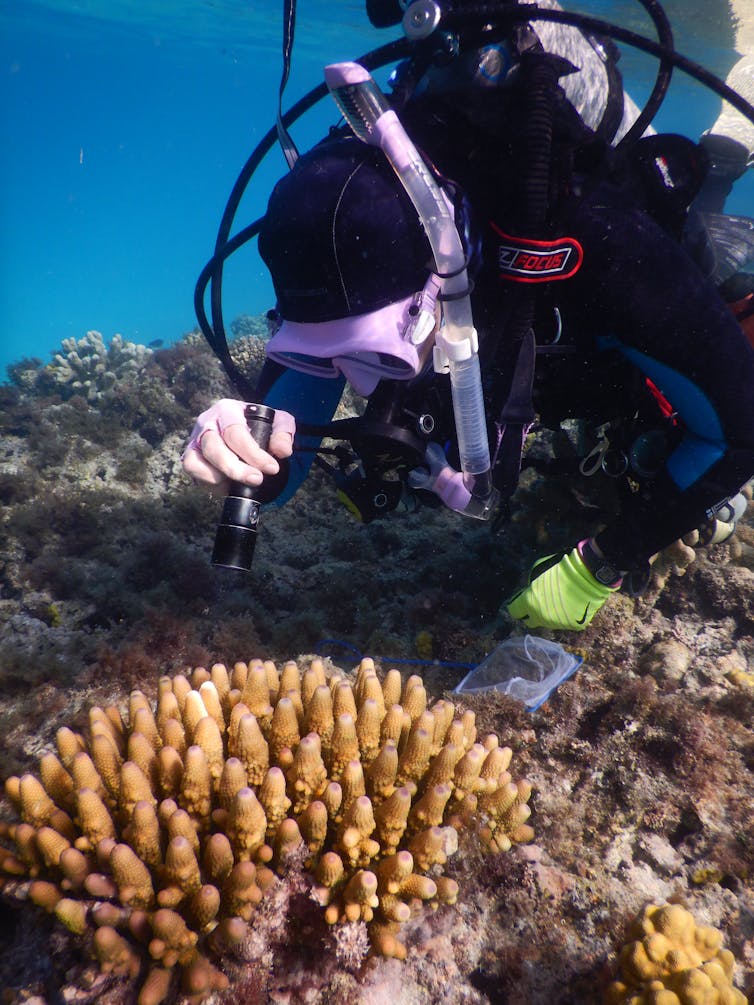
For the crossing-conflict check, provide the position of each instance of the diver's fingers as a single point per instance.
(225, 458)
(283, 431)
(218, 417)
(221, 439)
(242, 443)
(195, 464)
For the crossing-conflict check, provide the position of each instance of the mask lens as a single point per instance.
(319, 366)
(381, 363)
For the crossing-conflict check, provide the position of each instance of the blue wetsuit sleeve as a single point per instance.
(311, 400)
(704, 442)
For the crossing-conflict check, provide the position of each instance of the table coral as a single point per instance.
(162, 833)
(670, 960)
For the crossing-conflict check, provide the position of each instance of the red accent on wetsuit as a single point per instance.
(743, 312)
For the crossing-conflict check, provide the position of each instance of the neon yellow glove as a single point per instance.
(561, 593)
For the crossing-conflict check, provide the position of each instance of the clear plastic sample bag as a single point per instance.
(526, 667)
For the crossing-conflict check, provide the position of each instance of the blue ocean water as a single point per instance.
(124, 124)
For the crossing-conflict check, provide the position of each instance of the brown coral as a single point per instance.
(670, 960)
(182, 813)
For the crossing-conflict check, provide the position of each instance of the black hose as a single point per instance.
(541, 79)
(509, 398)
(215, 333)
(484, 13)
(687, 66)
(664, 73)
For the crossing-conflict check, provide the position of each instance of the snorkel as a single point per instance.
(456, 347)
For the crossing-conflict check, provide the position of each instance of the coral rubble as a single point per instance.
(158, 836)
(670, 960)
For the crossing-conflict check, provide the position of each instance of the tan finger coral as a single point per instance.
(162, 830)
(671, 960)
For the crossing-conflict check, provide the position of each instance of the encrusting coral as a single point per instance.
(159, 835)
(670, 960)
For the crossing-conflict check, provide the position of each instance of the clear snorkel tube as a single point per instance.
(367, 112)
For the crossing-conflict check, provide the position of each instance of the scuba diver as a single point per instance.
(482, 191)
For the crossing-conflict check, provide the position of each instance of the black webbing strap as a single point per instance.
(289, 28)
(516, 418)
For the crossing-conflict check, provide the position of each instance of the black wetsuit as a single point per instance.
(638, 294)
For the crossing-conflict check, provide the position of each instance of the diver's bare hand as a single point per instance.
(221, 448)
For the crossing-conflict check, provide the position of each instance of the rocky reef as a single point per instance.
(642, 764)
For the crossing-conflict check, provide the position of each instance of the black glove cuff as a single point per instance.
(603, 570)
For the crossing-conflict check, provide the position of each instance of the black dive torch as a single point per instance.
(236, 535)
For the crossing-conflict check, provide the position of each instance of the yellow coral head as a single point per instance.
(158, 837)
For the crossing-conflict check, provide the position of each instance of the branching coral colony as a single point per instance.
(159, 836)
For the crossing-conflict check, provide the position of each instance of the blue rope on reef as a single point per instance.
(388, 659)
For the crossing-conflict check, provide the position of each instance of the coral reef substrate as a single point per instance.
(642, 764)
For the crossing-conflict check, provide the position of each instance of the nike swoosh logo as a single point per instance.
(580, 621)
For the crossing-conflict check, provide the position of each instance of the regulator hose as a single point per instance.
(663, 49)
